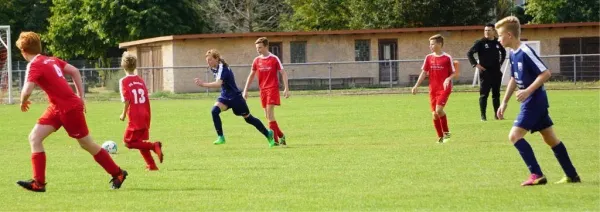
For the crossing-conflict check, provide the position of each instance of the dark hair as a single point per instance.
(490, 25)
(262, 40)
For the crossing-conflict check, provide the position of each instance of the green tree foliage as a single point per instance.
(246, 15)
(24, 15)
(558, 11)
(87, 28)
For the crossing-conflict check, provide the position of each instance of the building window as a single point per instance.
(298, 51)
(362, 50)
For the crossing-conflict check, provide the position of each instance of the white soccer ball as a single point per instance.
(110, 147)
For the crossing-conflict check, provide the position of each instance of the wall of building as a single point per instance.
(328, 48)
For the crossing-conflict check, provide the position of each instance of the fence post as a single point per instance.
(329, 68)
(83, 81)
(391, 84)
(206, 80)
(574, 69)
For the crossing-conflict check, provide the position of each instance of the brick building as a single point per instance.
(295, 48)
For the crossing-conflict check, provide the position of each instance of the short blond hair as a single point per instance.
(438, 39)
(510, 24)
(128, 62)
(29, 42)
(262, 40)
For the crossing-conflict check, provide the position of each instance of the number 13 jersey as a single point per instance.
(133, 89)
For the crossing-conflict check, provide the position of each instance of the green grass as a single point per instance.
(350, 153)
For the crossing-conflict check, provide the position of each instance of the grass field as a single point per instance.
(352, 153)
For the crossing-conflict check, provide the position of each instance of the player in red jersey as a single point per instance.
(266, 66)
(440, 69)
(66, 110)
(137, 106)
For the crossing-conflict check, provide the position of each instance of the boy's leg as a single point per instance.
(516, 136)
(76, 126)
(561, 154)
(436, 119)
(135, 139)
(216, 111)
(38, 158)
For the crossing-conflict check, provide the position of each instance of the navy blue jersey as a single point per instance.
(229, 89)
(525, 67)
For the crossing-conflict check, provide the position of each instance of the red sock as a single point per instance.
(141, 145)
(444, 123)
(438, 127)
(273, 125)
(38, 162)
(148, 158)
(104, 159)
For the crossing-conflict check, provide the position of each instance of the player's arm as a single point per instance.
(539, 81)
(419, 81)
(215, 84)
(25, 94)
(76, 76)
(125, 108)
(510, 88)
(284, 77)
(249, 82)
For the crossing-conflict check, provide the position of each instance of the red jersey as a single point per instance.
(438, 67)
(47, 73)
(133, 89)
(267, 69)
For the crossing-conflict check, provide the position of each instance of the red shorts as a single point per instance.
(73, 121)
(439, 97)
(132, 135)
(270, 97)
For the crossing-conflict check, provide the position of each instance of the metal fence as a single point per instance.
(325, 75)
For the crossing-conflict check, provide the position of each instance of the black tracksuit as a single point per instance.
(491, 56)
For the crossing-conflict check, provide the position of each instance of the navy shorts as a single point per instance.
(533, 120)
(237, 104)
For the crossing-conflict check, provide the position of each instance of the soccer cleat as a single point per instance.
(32, 185)
(535, 179)
(220, 140)
(566, 179)
(271, 138)
(440, 140)
(158, 151)
(282, 141)
(118, 180)
(446, 137)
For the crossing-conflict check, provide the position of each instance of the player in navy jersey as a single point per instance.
(231, 97)
(529, 73)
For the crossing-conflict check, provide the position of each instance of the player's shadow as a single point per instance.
(177, 189)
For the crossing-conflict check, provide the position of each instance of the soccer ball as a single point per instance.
(110, 147)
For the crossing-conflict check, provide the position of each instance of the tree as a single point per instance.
(247, 15)
(88, 28)
(317, 15)
(370, 14)
(24, 15)
(559, 11)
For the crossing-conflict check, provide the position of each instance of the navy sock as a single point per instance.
(561, 154)
(527, 154)
(217, 120)
(258, 124)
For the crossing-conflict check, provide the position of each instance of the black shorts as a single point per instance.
(237, 104)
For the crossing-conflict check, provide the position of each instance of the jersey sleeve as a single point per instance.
(221, 72)
(34, 73)
(278, 64)
(451, 65)
(122, 88)
(426, 65)
(534, 63)
(255, 64)
(61, 63)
